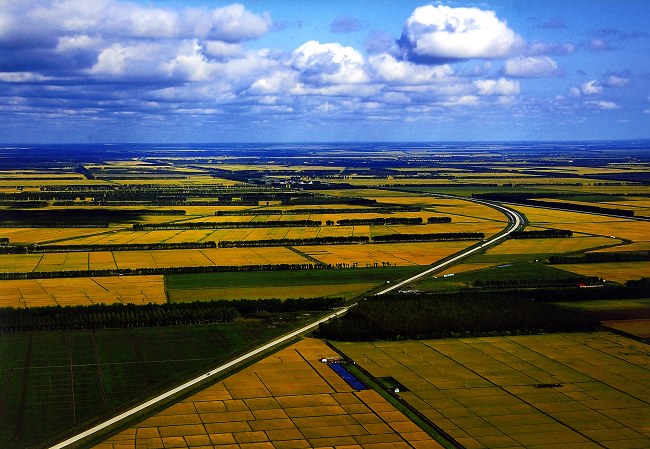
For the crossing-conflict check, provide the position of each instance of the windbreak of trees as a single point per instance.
(66, 217)
(541, 234)
(36, 248)
(379, 221)
(525, 198)
(530, 283)
(114, 316)
(390, 238)
(293, 242)
(374, 210)
(329, 200)
(602, 257)
(441, 236)
(4, 241)
(439, 220)
(226, 225)
(148, 315)
(163, 270)
(473, 313)
(24, 204)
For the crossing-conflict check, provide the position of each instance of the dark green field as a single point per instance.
(534, 274)
(53, 381)
(286, 278)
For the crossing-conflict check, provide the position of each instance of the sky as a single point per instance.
(166, 71)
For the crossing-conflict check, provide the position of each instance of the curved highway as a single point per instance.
(515, 221)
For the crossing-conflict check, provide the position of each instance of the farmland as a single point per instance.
(578, 390)
(72, 377)
(148, 225)
(82, 291)
(280, 284)
(289, 399)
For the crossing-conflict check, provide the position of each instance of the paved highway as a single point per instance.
(515, 222)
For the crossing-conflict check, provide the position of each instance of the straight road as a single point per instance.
(515, 222)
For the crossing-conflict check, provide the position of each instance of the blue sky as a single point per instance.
(286, 70)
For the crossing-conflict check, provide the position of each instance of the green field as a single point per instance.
(532, 273)
(54, 381)
(285, 278)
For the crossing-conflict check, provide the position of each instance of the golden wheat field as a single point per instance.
(546, 391)
(637, 231)
(420, 253)
(287, 400)
(51, 235)
(82, 291)
(98, 260)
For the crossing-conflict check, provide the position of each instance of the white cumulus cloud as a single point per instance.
(438, 33)
(501, 87)
(531, 67)
(330, 63)
(592, 87)
(602, 104)
(389, 69)
(616, 81)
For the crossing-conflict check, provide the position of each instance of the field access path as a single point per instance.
(516, 221)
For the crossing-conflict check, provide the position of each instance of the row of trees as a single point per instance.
(424, 316)
(541, 234)
(474, 313)
(35, 248)
(431, 220)
(293, 242)
(390, 238)
(530, 283)
(130, 315)
(526, 198)
(163, 270)
(374, 210)
(226, 225)
(440, 236)
(380, 221)
(287, 223)
(602, 257)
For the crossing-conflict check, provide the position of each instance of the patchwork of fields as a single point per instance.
(287, 400)
(573, 391)
(82, 291)
(546, 391)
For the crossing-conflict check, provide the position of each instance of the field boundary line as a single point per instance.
(515, 221)
(196, 381)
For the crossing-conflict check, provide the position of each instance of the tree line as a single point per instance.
(379, 221)
(342, 240)
(36, 248)
(441, 236)
(530, 283)
(473, 313)
(605, 257)
(374, 210)
(163, 270)
(226, 225)
(525, 198)
(541, 234)
(293, 242)
(148, 315)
